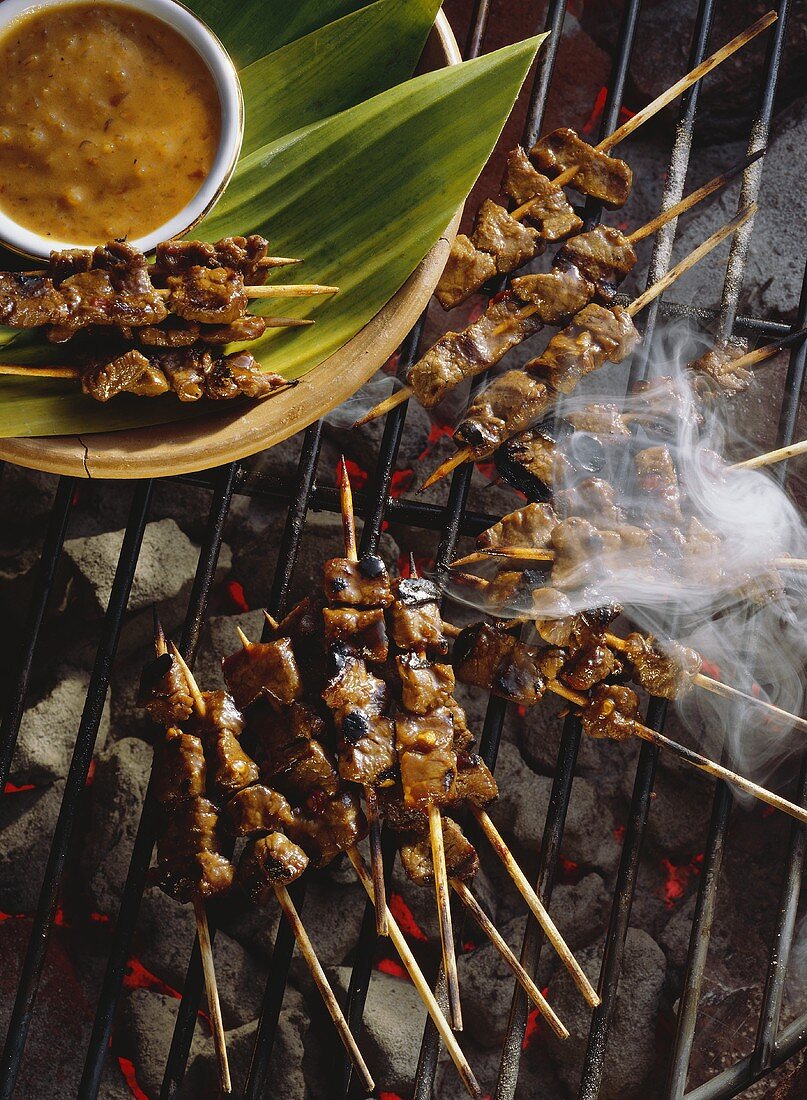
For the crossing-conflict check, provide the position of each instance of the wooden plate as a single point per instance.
(183, 447)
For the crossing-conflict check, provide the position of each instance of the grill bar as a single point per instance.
(76, 778)
(46, 571)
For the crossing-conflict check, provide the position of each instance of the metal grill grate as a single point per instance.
(374, 505)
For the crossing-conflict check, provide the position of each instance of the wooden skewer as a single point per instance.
(536, 906)
(695, 759)
(770, 458)
(419, 982)
(370, 798)
(767, 351)
(287, 905)
(523, 978)
(73, 374)
(202, 928)
(468, 454)
(279, 261)
(323, 985)
(278, 290)
(444, 916)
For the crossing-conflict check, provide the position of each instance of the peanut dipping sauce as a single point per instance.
(109, 123)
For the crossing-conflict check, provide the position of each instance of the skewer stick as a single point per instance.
(695, 759)
(523, 978)
(421, 985)
(213, 1003)
(468, 454)
(385, 406)
(536, 906)
(444, 916)
(279, 261)
(693, 258)
(202, 927)
(770, 458)
(278, 290)
(651, 227)
(323, 985)
(370, 798)
(767, 351)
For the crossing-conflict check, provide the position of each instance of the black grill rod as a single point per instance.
(771, 1008)
(284, 940)
(31, 972)
(43, 582)
(752, 177)
(145, 838)
(705, 905)
(737, 1078)
(674, 185)
(477, 29)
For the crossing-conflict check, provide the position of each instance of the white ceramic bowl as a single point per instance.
(221, 68)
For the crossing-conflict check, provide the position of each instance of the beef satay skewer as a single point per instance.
(540, 555)
(670, 95)
(278, 290)
(202, 928)
(469, 454)
(700, 679)
(370, 797)
(656, 223)
(301, 937)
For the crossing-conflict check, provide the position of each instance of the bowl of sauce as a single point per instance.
(117, 120)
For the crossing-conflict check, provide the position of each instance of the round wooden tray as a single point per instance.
(187, 446)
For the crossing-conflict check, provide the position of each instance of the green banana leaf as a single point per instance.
(361, 195)
(251, 28)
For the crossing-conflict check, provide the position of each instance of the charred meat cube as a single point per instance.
(462, 862)
(353, 688)
(549, 209)
(106, 297)
(263, 669)
(552, 661)
(367, 749)
(179, 768)
(415, 619)
(666, 673)
(603, 255)
(282, 737)
(272, 861)
(164, 692)
(510, 404)
(337, 825)
(578, 549)
(243, 329)
(509, 242)
(530, 526)
(257, 810)
(426, 757)
(598, 175)
(596, 336)
(591, 499)
(131, 372)
(534, 457)
(424, 684)
(242, 254)
(486, 657)
(589, 665)
(475, 782)
(396, 813)
(656, 476)
(550, 608)
(715, 373)
(458, 356)
(463, 738)
(577, 630)
(512, 590)
(362, 633)
(364, 583)
(559, 295)
(189, 857)
(27, 301)
(312, 772)
(467, 270)
(611, 712)
(69, 261)
(604, 420)
(229, 767)
(221, 714)
(213, 296)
